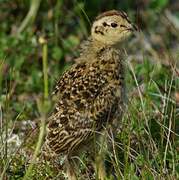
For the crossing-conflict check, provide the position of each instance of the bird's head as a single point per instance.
(112, 27)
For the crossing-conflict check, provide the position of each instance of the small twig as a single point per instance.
(172, 19)
(31, 15)
(45, 69)
(44, 111)
(1, 125)
(168, 141)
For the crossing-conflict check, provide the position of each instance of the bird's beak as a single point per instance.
(135, 28)
(132, 28)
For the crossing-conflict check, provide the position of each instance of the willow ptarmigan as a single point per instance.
(91, 93)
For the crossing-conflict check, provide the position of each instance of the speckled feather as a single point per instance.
(89, 96)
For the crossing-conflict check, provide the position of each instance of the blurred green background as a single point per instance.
(152, 74)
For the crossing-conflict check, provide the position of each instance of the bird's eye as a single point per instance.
(113, 25)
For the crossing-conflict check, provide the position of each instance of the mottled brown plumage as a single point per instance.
(90, 94)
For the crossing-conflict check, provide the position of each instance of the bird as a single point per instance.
(90, 95)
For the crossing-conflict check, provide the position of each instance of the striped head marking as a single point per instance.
(112, 27)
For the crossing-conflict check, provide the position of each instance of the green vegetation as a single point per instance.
(33, 56)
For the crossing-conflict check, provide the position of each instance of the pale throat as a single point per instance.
(97, 45)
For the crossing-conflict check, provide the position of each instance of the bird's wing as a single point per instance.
(68, 131)
(104, 108)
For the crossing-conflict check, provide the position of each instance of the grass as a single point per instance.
(42, 109)
(148, 145)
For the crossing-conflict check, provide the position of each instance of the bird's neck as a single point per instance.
(98, 46)
(91, 48)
